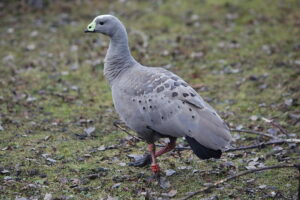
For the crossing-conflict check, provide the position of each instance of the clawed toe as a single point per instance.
(144, 161)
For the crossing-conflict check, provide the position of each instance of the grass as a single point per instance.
(52, 88)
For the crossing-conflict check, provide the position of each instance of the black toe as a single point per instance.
(144, 161)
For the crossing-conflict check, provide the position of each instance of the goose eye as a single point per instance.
(101, 23)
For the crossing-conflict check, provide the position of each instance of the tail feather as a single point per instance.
(202, 151)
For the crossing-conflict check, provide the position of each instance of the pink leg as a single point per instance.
(154, 166)
(170, 146)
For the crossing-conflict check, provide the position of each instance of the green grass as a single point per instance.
(46, 102)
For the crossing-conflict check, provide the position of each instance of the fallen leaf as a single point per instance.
(89, 130)
(48, 196)
(31, 99)
(51, 160)
(254, 118)
(116, 185)
(289, 102)
(172, 193)
(47, 137)
(30, 47)
(21, 198)
(101, 148)
(170, 172)
(5, 171)
(262, 186)
(112, 198)
(184, 167)
(164, 183)
(7, 178)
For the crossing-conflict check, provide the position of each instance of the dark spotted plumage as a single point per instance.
(159, 89)
(180, 111)
(185, 94)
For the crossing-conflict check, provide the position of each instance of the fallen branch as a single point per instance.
(260, 145)
(243, 174)
(264, 144)
(276, 125)
(254, 132)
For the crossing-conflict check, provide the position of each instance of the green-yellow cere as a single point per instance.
(91, 26)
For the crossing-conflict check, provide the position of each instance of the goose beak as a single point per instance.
(87, 31)
(91, 27)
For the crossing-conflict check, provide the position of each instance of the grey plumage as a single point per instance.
(155, 102)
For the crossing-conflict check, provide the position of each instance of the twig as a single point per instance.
(260, 145)
(282, 130)
(116, 124)
(264, 144)
(273, 123)
(254, 132)
(217, 183)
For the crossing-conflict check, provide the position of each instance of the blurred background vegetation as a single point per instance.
(56, 114)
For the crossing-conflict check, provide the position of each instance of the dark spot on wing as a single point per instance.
(192, 94)
(190, 109)
(167, 85)
(140, 101)
(156, 83)
(174, 78)
(184, 84)
(161, 88)
(176, 83)
(185, 94)
(150, 107)
(150, 100)
(174, 94)
(162, 117)
(133, 100)
(144, 108)
(193, 116)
